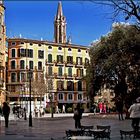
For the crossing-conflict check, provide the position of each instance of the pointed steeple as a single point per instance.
(59, 11)
(60, 26)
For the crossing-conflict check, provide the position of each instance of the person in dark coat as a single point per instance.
(119, 107)
(6, 112)
(77, 116)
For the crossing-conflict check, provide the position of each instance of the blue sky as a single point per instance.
(86, 21)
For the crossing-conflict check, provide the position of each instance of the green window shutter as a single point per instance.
(50, 58)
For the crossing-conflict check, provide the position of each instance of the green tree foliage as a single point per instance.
(115, 61)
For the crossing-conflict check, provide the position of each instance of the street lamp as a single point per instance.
(24, 109)
(30, 114)
(51, 97)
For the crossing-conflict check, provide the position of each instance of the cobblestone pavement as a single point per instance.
(47, 128)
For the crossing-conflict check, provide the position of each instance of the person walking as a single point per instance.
(63, 109)
(134, 111)
(119, 107)
(77, 116)
(6, 112)
(57, 109)
(101, 107)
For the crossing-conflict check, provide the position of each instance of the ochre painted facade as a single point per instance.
(63, 62)
(2, 54)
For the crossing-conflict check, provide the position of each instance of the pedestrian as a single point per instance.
(101, 107)
(36, 111)
(104, 108)
(41, 111)
(6, 112)
(94, 108)
(57, 109)
(134, 111)
(119, 107)
(63, 109)
(77, 116)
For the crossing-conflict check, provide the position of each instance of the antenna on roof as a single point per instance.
(20, 36)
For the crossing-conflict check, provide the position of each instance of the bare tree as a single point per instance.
(50, 91)
(130, 8)
(39, 88)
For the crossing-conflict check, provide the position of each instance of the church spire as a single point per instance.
(59, 11)
(60, 26)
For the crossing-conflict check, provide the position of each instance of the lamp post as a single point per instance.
(51, 97)
(24, 109)
(30, 114)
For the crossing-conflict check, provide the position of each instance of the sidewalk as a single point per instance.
(47, 128)
(60, 115)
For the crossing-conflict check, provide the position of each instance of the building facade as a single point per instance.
(2, 54)
(63, 62)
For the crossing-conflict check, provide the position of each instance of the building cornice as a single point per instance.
(47, 43)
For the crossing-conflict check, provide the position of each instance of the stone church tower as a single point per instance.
(60, 26)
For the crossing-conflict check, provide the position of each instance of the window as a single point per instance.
(60, 85)
(86, 61)
(60, 96)
(80, 97)
(59, 48)
(50, 71)
(79, 60)
(69, 49)
(29, 75)
(40, 54)
(79, 50)
(60, 71)
(79, 72)
(13, 53)
(39, 65)
(31, 65)
(79, 86)
(13, 43)
(13, 77)
(30, 53)
(70, 72)
(69, 59)
(50, 58)
(21, 42)
(22, 64)
(22, 52)
(59, 58)
(70, 96)
(39, 44)
(13, 64)
(22, 77)
(50, 47)
(70, 85)
(31, 44)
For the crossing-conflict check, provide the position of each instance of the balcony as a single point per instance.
(78, 77)
(49, 75)
(79, 65)
(60, 63)
(48, 63)
(69, 64)
(59, 76)
(69, 76)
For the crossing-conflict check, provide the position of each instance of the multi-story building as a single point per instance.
(2, 54)
(63, 62)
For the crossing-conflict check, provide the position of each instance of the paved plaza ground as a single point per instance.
(47, 128)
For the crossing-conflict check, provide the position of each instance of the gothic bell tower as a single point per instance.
(60, 26)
